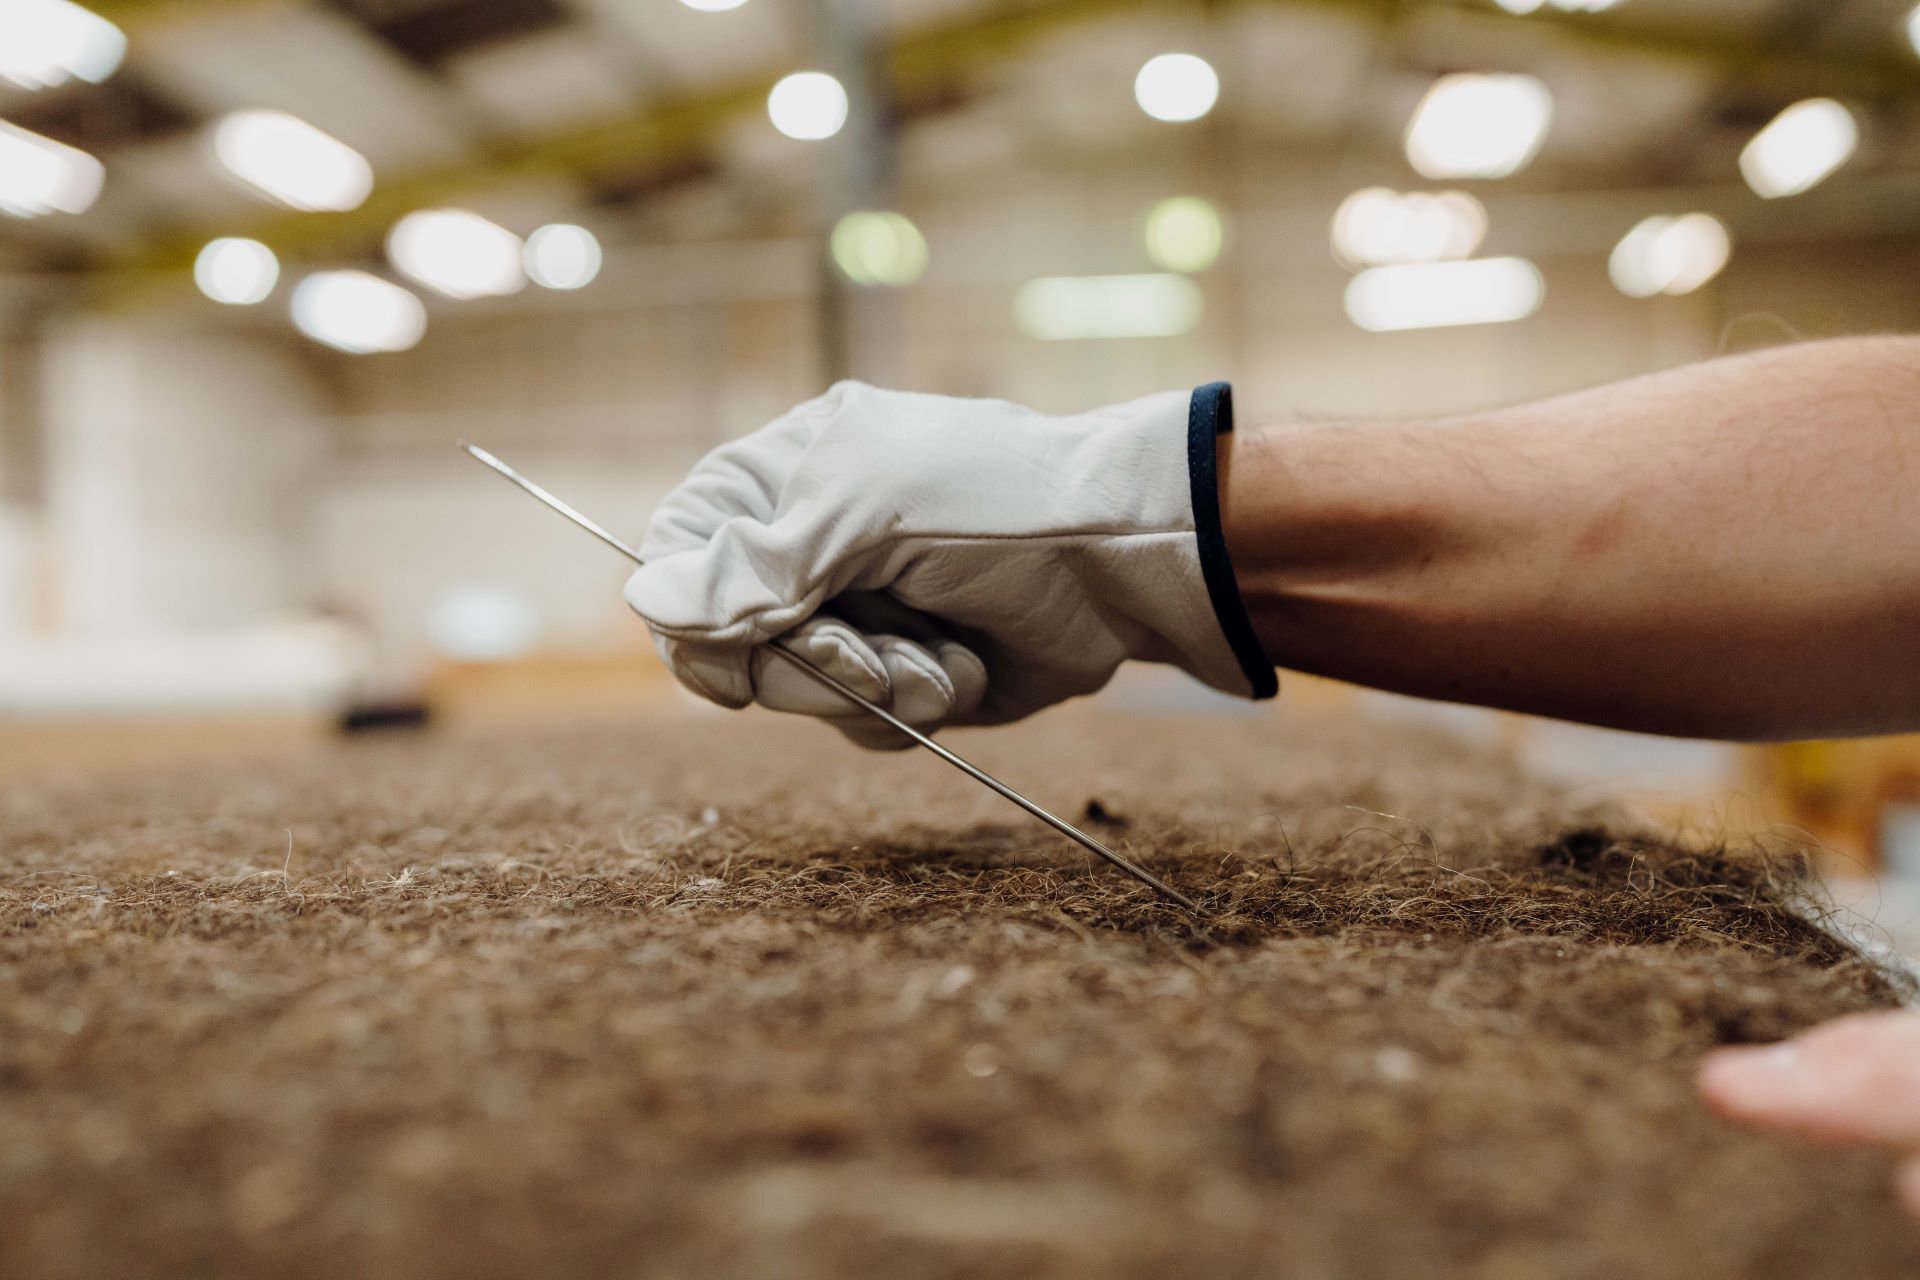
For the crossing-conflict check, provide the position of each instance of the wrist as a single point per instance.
(1209, 423)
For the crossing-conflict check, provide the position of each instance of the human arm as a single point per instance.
(1727, 550)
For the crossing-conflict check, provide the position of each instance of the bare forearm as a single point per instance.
(1727, 550)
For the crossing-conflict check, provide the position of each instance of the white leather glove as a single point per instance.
(956, 561)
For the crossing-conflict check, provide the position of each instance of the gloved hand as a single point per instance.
(956, 561)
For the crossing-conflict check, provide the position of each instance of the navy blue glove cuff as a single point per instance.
(1208, 417)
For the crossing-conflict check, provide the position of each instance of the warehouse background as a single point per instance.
(218, 526)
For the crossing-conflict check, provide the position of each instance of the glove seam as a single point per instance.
(1210, 416)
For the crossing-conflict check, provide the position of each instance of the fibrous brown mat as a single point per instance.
(723, 997)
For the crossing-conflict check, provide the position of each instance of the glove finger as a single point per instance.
(870, 734)
(965, 672)
(931, 685)
(884, 617)
(747, 584)
(834, 647)
(717, 672)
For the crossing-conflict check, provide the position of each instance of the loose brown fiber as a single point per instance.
(720, 996)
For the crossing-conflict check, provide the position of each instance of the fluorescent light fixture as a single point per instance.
(44, 43)
(1377, 227)
(1185, 233)
(562, 256)
(1670, 255)
(1176, 87)
(1564, 6)
(1796, 152)
(358, 313)
(1058, 308)
(713, 6)
(236, 272)
(877, 248)
(288, 159)
(39, 176)
(1479, 126)
(1439, 294)
(808, 105)
(457, 253)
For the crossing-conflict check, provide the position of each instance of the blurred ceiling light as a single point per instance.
(1670, 255)
(1438, 294)
(236, 272)
(713, 6)
(1913, 29)
(290, 160)
(1176, 87)
(1377, 227)
(358, 313)
(1796, 152)
(808, 105)
(876, 248)
(562, 256)
(1185, 233)
(44, 43)
(457, 253)
(1146, 306)
(1479, 126)
(40, 176)
(1565, 6)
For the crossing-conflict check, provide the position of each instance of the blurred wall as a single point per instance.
(177, 473)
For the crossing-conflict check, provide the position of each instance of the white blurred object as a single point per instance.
(20, 568)
(713, 6)
(1176, 87)
(1564, 6)
(457, 253)
(1913, 29)
(288, 159)
(562, 256)
(236, 272)
(358, 313)
(301, 665)
(1442, 294)
(1185, 233)
(39, 176)
(1377, 227)
(879, 248)
(1058, 308)
(808, 105)
(483, 622)
(1670, 255)
(44, 43)
(1471, 125)
(1799, 148)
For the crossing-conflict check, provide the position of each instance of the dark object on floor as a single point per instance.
(717, 997)
(376, 716)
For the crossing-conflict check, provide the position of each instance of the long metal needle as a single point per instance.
(779, 647)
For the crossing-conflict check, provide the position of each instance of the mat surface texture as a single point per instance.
(723, 997)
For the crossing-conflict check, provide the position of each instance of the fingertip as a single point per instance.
(1753, 1083)
(843, 653)
(873, 735)
(717, 673)
(966, 673)
(1906, 1187)
(923, 695)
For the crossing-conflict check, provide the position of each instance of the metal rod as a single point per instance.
(779, 647)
